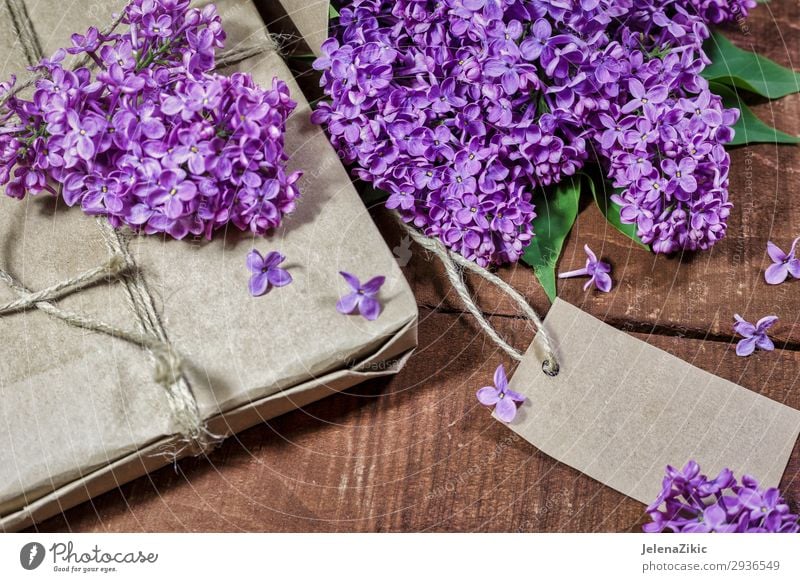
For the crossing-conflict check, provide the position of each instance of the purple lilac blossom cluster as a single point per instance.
(154, 140)
(460, 109)
(691, 503)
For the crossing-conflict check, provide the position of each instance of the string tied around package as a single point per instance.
(151, 337)
(455, 265)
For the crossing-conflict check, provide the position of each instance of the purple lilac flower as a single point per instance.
(783, 264)
(155, 140)
(80, 136)
(691, 503)
(754, 335)
(266, 273)
(500, 396)
(434, 102)
(597, 271)
(361, 297)
(85, 43)
(719, 11)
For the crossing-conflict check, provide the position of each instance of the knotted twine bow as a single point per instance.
(151, 336)
(454, 264)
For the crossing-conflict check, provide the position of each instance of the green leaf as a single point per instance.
(747, 70)
(304, 57)
(750, 129)
(557, 209)
(333, 13)
(612, 212)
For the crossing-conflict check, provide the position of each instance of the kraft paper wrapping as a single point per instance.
(622, 410)
(80, 412)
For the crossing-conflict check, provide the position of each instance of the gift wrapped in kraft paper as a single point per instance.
(121, 353)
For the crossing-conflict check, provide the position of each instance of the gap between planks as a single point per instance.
(630, 326)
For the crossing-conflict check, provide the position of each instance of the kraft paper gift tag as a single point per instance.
(621, 410)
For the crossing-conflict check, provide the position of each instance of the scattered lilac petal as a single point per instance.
(597, 271)
(362, 297)
(753, 335)
(500, 395)
(783, 264)
(265, 272)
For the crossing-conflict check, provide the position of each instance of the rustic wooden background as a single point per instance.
(417, 452)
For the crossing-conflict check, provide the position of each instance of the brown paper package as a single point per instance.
(80, 412)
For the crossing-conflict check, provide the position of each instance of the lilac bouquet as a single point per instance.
(152, 138)
(691, 503)
(461, 110)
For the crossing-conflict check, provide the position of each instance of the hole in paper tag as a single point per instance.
(621, 410)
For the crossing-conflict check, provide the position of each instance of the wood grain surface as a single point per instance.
(417, 452)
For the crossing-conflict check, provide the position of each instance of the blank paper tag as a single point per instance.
(621, 410)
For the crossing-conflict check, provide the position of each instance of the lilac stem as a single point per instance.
(578, 273)
(14, 129)
(97, 60)
(134, 39)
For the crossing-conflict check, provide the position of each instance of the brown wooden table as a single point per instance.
(417, 452)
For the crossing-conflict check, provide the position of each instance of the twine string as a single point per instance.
(78, 320)
(114, 267)
(168, 362)
(454, 265)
